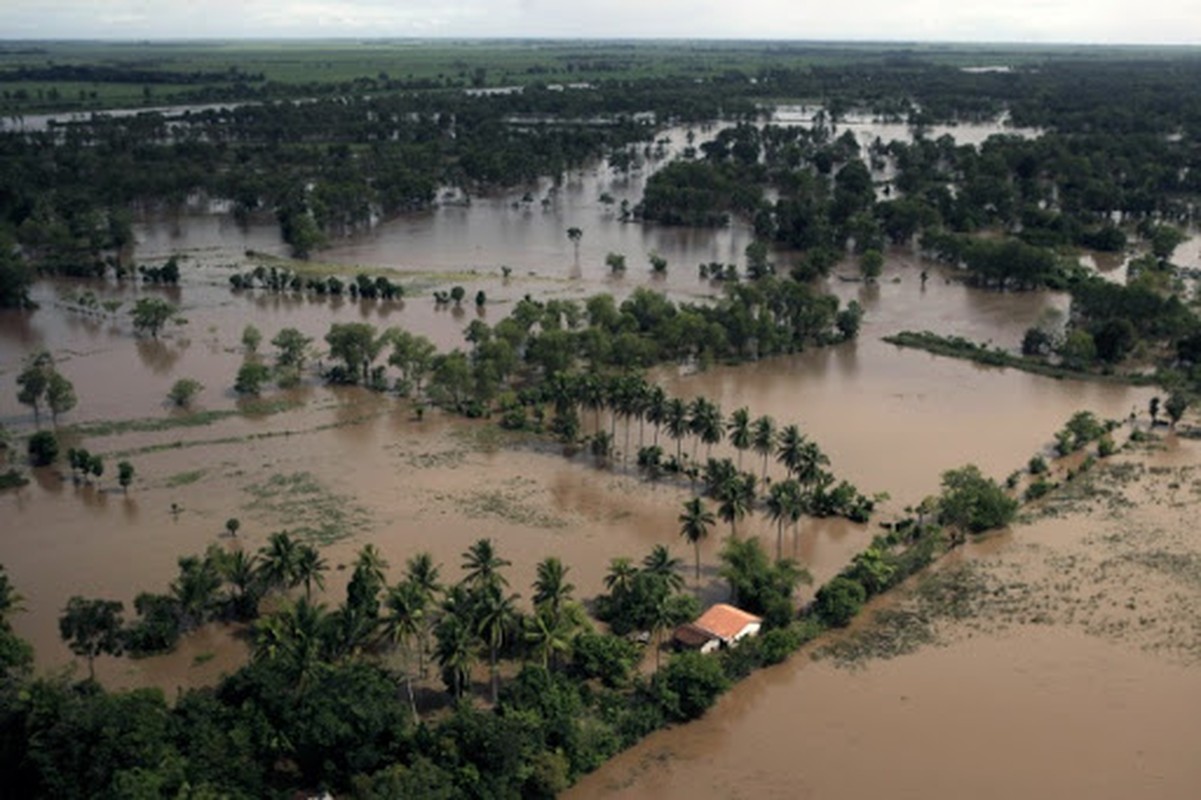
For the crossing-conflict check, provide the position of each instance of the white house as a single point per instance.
(721, 626)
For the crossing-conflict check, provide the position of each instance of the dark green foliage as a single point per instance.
(15, 277)
(759, 585)
(43, 448)
(158, 627)
(839, 601)
(609, 659)
(251, 377)
(974, 503)
(689, 685)
(150, 314)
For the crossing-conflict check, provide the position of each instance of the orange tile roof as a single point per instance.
(725, 621)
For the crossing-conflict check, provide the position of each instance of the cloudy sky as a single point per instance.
(1091, 21)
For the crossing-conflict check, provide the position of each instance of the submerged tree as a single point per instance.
(91, 628)
(695, 523)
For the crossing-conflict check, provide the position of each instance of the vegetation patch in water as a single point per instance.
(307, 509)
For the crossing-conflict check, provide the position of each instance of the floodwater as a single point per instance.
(1086, 687)
(891, 420)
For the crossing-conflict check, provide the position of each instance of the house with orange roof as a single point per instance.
(720, 626)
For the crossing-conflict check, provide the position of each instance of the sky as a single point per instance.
(1050, 21)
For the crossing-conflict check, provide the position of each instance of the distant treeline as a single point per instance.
(95, 73)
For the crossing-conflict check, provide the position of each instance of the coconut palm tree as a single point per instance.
(547, 636)
(795, 504)
(372, 563)
(483, 566)
(455, 652)
(298, 634)
(421, 571)
(695, 523)
(620, 576)
(809, 466)
(195, 590)
(496, 615)
(705, 422)
(551, 589)
(660, 562)
(738, 430)
(241, 571)
(656, 409)
(734, 502)
(309, 566)
(777, 512)
(763, 439)
(279, 560)
(676, 421)
(791, 449)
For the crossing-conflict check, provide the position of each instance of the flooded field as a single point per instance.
(1078, 710)
(1075, 674)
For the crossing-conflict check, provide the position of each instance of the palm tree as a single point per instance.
(676, 420)
(791, 450)
(483, 566)
(551, 589)
(421, 571)
(495, 616)
(241, 571)
(656, 409)
(297, 634)
(195, 590)
(777, 511)
(279, 560)
(309, 566)
(547, 636)
(407, 617)
(661, 563)
(659, 620)
(795, 502)
(695, 523)
(620, 576)
(372, 563)
(763, 439)
(705, 422)
(734, 502)
(739, 430)
(809, 467)
(593, 397)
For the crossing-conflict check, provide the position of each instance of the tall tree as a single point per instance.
(738, 430)
(496, 616)
(91, 628)
(551, 588)
(483, 566)
(309, 566)
(33, 381)
(763, 439)
(695, 523)
(662, 564)
(60, 396)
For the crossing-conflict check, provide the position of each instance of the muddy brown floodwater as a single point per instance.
(346, 467)
(1079, 675)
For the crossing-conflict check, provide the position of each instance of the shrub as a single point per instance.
(839, 601)
(43, 449)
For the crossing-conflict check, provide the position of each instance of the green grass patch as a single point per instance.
(299, 503)
(185, 478)
(958, 347)
(194, 419)
(509, 506)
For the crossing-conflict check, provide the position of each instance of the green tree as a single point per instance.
(15, 277)
(232, 525)
(150, 314)
(616, 262)
(183, 391)
(661, 564)
(455, 652)
(763, 439)
(1176, 404)
(356, 345)
(735, 500)
(43, 449)
(309, 566)
(482, 566)
(91, 628)
(690, 685)
(60, 396)
(413, 355)
(251, 377)
(839, 601)
(695, 523)
(292, 347)
(871, 264)
(551, 588)
(972, 502)
(34, 380)
(251, 339)
(738, 430)
(279, 561)
(125, 473)
(496, 616)
(575, 234)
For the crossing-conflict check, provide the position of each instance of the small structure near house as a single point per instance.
(720, 626)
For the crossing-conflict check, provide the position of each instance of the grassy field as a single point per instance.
(292, 66)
